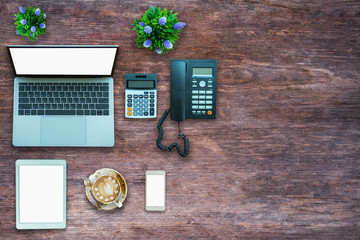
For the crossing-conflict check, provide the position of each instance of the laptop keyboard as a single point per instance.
(86, 99)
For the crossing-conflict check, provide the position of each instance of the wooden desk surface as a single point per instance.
(281, 159)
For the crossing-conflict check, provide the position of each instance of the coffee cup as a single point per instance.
(106, 189)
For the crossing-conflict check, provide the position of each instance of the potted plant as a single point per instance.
(30, 22)
(158, 29)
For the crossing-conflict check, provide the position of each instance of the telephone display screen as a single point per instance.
(201, 72)
(138, 84)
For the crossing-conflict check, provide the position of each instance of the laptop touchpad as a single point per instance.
(63, 131)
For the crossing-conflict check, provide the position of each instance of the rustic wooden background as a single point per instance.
(280, 161)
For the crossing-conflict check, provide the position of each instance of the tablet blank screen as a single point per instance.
(41, 194)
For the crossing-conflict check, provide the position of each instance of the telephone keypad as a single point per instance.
(202, 100)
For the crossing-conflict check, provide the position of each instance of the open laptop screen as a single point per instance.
(62, 60)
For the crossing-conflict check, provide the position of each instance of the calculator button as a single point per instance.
(195, 97)
(152, 92)
(202, 92)
(141, 113)
(195, 102)
(202, 97)
(146, 92)
(146, 113)
(152, 96)
(146, 96)
(209, 81)
(194, 86)
(141, 96)
(129, 113)
(136, 100)
(141, 104)
(146, 100)
(202, 83)
(146, 105)
(129, 96)
(195, 91)
(202, 102)
(152, 112)
(209, 92)
(199, 112)
(209, 97)
(209, 112)
(135, 114)
(193, 112)
(208, 102)
(136, 105)
(141, 100)
(208, 107)
(203, 112)
(129, 100)
(201, 107)
(195, 107)
(129, 109)
(129, 105)
(151, 100)
(152, 105)
(135, 96)
(210, 85)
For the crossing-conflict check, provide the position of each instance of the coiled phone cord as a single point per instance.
(174, 144)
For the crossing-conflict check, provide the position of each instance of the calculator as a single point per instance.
(140, 95)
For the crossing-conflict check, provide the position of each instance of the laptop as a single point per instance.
(63, 95)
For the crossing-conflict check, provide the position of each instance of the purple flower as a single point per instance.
(23, 22)
(168, 44)
(147, 43)
(44, 16)
(158, 50)
(17, 32)
(179, 25)
(37, 12)
(31, 34)
(142, 24)
(162, 21)
(147, 29)
(22, 10)
(33, 29)
(42, 25)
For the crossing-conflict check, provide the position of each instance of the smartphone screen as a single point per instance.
(155, 191)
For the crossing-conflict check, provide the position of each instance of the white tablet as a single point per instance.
(40, 194)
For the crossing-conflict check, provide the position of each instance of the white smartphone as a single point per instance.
(155, 191)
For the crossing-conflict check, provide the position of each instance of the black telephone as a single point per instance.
(193, 89)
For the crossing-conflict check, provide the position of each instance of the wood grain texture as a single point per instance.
(280, 161)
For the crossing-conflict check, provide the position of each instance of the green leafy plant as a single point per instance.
(158, 29)
(30, 22)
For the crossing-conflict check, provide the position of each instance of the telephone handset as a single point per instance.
(193, 89)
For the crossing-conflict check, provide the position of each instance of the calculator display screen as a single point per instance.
(202, 72)
(138, 84)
